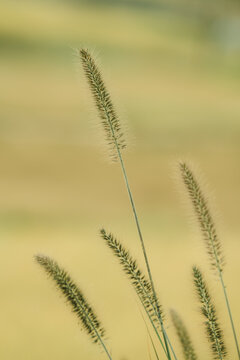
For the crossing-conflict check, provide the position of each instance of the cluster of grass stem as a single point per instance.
(144, 284)
(112, 126)
(208, 228)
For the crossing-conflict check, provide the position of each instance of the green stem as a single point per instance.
(154, 327)
(136, 218)
(229, 313)
(225, 294)
(153, 345)
(147, 312)
(143, 248)
(175, 357)
(154, 324)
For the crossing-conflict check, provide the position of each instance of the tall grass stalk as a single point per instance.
(208, 229)
(151, 339)
(76, 299)
(116, 142)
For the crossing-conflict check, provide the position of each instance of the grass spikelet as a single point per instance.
(75, 298)
(213, 331)
(109, 118)
(141, 285)
(183, 335)
(204, 217)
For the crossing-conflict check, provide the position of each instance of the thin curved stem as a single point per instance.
(166, 341)
(225, 296)
(229, 313)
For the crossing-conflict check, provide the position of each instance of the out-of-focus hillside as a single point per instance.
(173, 69)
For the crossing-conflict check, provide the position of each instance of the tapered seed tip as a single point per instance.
(103, 233)
(197, 275)
(195, 269)
(43, 260)
(182, 165)
(83, 52)
(38, 257)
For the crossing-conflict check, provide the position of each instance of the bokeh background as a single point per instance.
(173, 69)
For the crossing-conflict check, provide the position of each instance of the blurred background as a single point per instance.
(173, 69)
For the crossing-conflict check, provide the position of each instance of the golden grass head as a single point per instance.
(204, 217)
(74, 297)
(213, 330)
(184, 337)
(139, 281)
(110, 121)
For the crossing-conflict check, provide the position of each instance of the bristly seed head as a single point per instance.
(204, 217)
(141, 285)
(183, 335)
(213, 330)
(73, 296)
(108, 116)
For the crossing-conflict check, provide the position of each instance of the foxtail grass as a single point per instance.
(207, 225)
(141, 285)
(208, 228)
(184, 337)
(76, 299)
(110, 121)
(213, 330)
(115, 139)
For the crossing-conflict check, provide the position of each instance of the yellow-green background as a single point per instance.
(173, 69)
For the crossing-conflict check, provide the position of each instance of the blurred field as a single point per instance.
(174, 74)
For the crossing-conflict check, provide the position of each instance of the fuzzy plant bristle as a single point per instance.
(204, 217)
(213, 330)
(141, 285)
(208, 229)
(184, 337)
(75, 298)
(110, 121)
